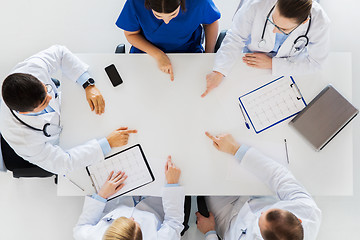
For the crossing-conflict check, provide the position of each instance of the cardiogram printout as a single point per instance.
(132, 161)
(272, 103)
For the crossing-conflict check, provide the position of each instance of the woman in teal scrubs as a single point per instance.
(158, 27)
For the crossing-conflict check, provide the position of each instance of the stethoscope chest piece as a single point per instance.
(48, 130)
(301, 42)
(262, 43)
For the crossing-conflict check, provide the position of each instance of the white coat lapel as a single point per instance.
(55, 103)
(286, 47)
(245, 226)
(122, 211)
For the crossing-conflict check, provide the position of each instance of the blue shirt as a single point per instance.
(279, 40)
(181, 34)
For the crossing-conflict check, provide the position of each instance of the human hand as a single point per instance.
(113, 184)
(172, 173)
(95, 99)
(119, 137)
(224, 143)
(258, 60)
(205, 224)
(164, 64)
(213, 80)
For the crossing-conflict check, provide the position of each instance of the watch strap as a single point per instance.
(89, 82)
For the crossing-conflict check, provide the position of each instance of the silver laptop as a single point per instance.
(325, 116)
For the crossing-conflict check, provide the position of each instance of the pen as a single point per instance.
(246, 123)
(74, 183)
(286, 149)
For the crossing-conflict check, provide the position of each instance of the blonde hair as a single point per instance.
(123, 229)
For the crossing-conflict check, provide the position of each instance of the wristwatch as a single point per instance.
(89, 82)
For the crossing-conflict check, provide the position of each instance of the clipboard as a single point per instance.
(272, 103)
(132, 161)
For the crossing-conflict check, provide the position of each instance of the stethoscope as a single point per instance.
(299, 44)
(48, 130)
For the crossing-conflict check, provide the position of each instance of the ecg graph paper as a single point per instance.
(131, 161)
(272, 103)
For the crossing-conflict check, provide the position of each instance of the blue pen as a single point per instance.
(246, 123)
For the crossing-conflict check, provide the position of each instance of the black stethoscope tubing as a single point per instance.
(31, 127)
(264, 28)
(296, 40)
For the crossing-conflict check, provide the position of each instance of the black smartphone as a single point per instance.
(113, 75)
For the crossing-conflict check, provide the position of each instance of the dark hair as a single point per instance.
(164, 6)
(296, 9)
(22, 92)
(283, 226)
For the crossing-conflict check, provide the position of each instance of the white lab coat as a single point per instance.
(32, 145)
(93, 223)
(250, 20)
(291, 196)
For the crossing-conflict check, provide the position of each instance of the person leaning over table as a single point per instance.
(290, 215)
(158, 27)
(31, 101)
(151, 218)
(286, 36)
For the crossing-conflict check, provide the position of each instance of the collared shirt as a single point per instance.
(181, 34)
(104, 144)
(290, 195)
(279, 40)
(93, 223)
(34, 146)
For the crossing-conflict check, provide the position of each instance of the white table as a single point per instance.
(171, 118)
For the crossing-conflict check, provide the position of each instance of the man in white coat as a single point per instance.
(151, 218)
(287, 36)
(30, 114)
(291, 215)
